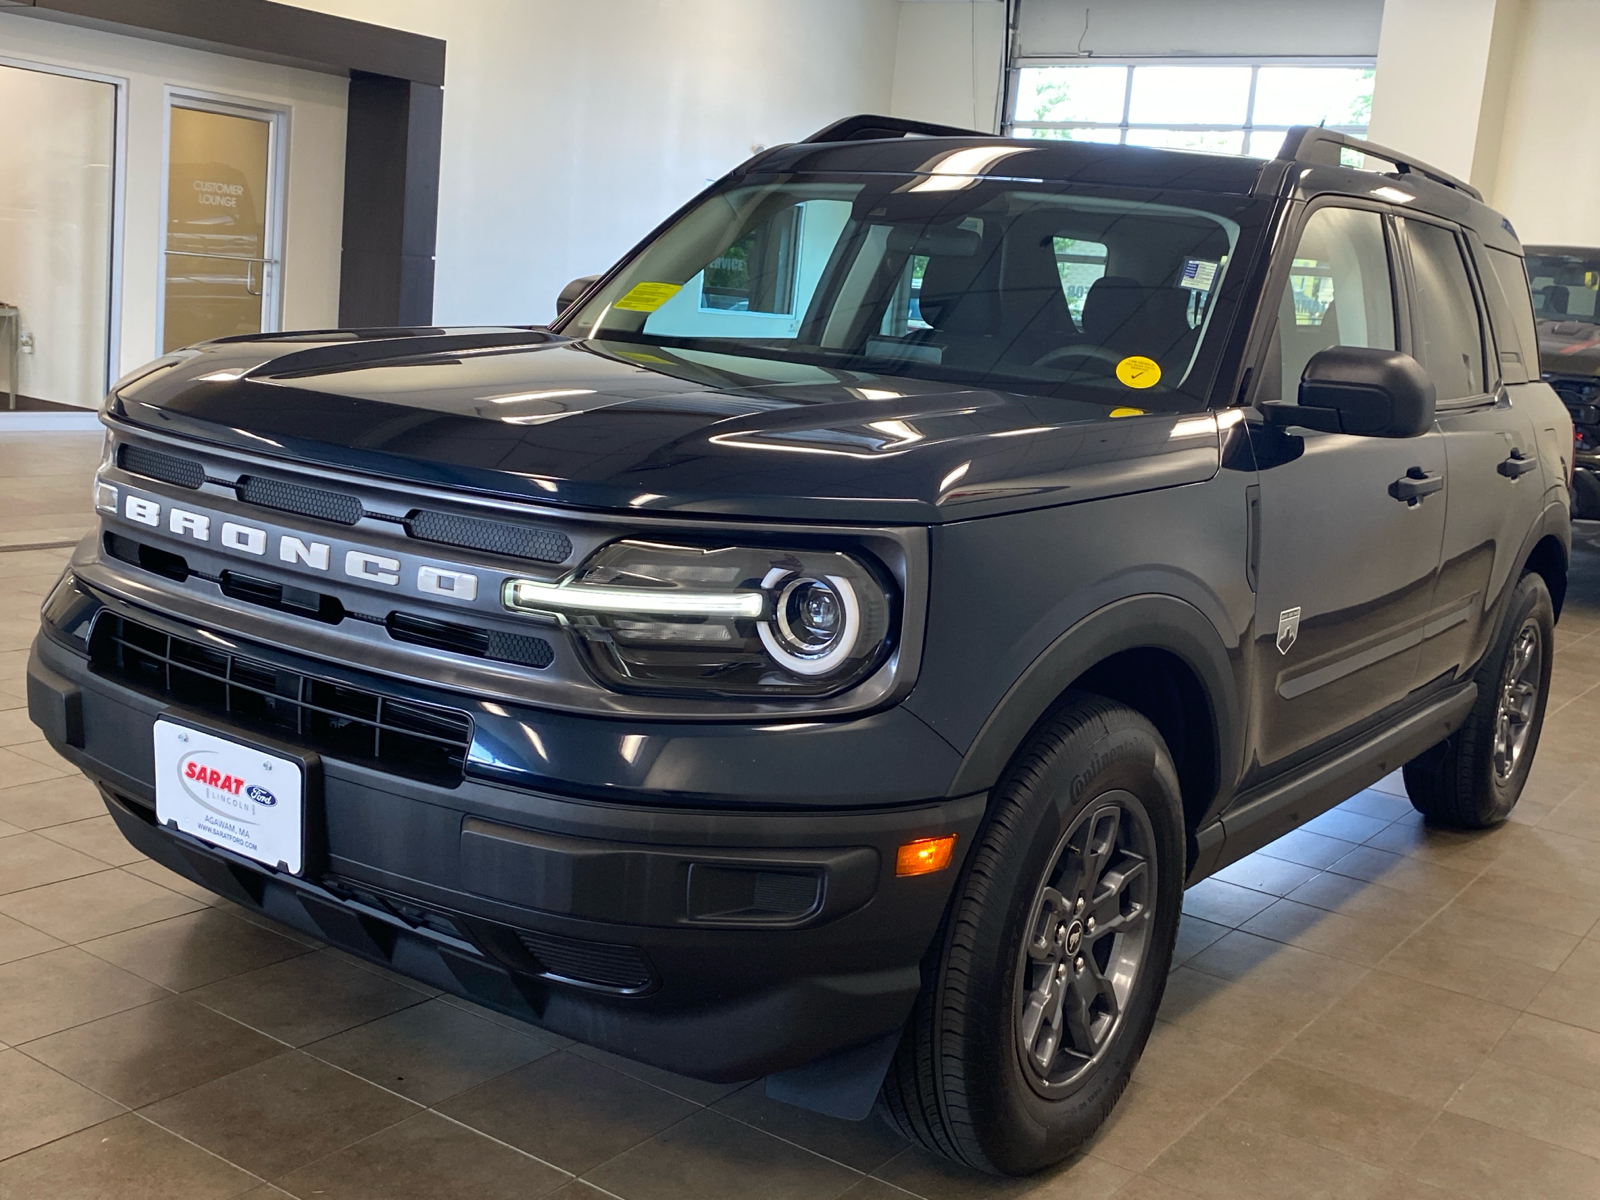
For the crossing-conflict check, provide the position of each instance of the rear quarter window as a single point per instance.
(1508, 269)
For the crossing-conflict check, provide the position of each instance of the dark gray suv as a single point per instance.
(827, 652)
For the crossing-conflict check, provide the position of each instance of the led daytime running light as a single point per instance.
(531, 594)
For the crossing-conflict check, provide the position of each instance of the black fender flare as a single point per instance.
(1154, 621)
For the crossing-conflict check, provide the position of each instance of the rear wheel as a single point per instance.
(1055, 953)
(1474, 778)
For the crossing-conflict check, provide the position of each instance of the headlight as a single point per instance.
(735, 621)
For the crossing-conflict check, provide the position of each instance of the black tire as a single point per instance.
(1473, 779)
(961, 1083)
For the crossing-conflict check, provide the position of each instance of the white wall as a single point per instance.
(56, 160)
(570, 130)
(947, 62)
(315, 173)
(1133, 28)
(1547, 172)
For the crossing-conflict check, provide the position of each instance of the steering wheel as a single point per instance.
(1089, 353)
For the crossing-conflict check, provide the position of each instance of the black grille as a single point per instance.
(520, 648)
(515, 541)
(306, 502)
(600, 963)
(169, 468)
(420, 741)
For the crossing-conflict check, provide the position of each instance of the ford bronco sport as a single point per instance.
(827, 652)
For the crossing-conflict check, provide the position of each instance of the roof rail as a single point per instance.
(1313, 144)
(866, 127)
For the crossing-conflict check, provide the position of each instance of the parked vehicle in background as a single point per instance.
(1566, 283)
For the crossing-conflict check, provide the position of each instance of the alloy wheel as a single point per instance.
(1519, 700)
(1085, 943)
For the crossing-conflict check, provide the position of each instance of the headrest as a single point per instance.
(1555, 298)
(1110, 304)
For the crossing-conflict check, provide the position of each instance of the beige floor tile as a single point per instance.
(15, 725)
(157, 1050)
(426, 1157)
(47, 801)
(1330, 1111)
(431, 1052)
(1471, 1160)
(1552, 1110)
(1364, 901)
(194, 949)
(568, 1111)
(38, 1105)
(1227, 1160)
(1465, 850)
(711, 1157)
(697, 1090)
(1256, 960)
(1578, 815)
(1522, 899)
(861, 1145)
(20, 765)
(62, 988)
(307, 998)
(97, 837)
(20, 941)
(1561, 1051)
(1263, 873)
(127, 1158)
(1144, 1188)
(1194, 935)
(1144, 1123)
(1403, 873)
(1436, 956)
(1087, 1177)
(280, 1114)
(1198, 1065)
(1572, 994)
(29, 860)
(1378, 805)
(1349, 826)
(1261, 1017)
(1402, 1037)
(1330, 933)
(1309, 849)
(1521, 941)
(1223, 903)
(93, 906)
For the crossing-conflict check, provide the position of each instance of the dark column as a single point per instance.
(391, 201)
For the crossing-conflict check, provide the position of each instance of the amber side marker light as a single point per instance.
(925, 855)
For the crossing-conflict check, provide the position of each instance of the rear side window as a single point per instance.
(1448, 333)
(1079, 263)
(1339, 293)
(1508, 269)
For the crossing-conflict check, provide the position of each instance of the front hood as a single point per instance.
(606, 425)
(1569, 348)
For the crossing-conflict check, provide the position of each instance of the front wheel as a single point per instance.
(1055, 953)
(1474, 777)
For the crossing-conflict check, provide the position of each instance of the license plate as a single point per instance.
(230, 794)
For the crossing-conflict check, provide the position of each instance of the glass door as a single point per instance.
(220, 266)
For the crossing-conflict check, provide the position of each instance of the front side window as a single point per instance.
(1339, 293)
(956, 278)
(1449, 336)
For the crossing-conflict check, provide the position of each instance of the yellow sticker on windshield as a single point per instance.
(1137, 371)
(647, 297)
(639, 357)
(1127, 412)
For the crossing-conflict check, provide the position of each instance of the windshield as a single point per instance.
(1003, 283)
(1565, 285)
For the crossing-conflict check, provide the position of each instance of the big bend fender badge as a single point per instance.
(1288, 629)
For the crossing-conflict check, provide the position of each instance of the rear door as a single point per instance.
(1491, 451)
(1345, 571)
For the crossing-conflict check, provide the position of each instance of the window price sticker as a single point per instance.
(1198, 274)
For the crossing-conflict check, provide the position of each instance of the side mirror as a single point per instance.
(572, 291)
(1361, 390)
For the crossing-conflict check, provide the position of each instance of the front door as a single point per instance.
(1345, 570)
(220, 262)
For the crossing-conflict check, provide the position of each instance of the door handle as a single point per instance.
(1517, 465)
(1414, 485)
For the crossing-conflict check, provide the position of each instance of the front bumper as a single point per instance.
(628, 926)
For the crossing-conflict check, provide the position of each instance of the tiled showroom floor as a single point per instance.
(1365, 1009)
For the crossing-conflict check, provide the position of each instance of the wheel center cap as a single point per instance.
(1074, 937)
